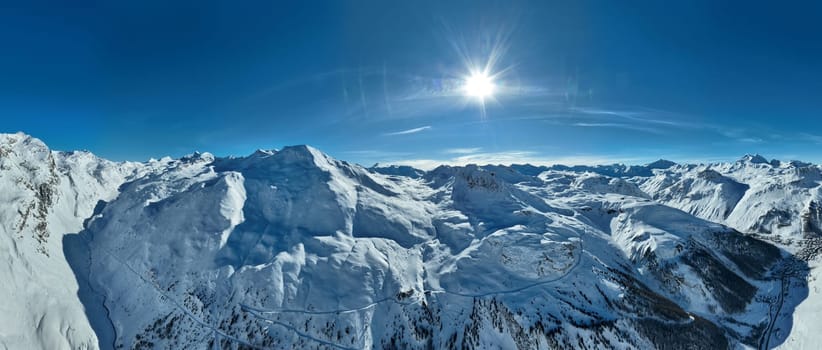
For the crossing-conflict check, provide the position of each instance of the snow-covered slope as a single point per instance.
(705, 193)
(44, 195)
(294, 249)
(753, 195)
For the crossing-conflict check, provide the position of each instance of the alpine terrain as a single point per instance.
(293, 249)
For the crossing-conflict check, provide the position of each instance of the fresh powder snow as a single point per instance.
(294, 249)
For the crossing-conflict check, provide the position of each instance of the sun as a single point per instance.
(479, 85)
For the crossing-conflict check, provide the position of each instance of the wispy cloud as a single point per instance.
(620, 126)
(661, 122)
(409, 131)
(638, 115)
(374, 154)
(462, 150)
(811, 137)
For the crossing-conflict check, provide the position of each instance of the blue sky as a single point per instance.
(381, 81)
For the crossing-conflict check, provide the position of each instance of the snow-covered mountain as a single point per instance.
(43, 196)
(294, 249)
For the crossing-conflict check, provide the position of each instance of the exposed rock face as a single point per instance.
(44, 195)
(242, 252)
(812, 219)
(294, 249)
(30, 165)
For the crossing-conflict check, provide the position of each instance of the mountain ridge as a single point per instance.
(240, 251)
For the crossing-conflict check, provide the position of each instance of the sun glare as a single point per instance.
(479, 85)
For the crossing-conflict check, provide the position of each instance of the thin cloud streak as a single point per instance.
(639, 116)
(462, 150)
(409, 131)
(811, 137)
(619, 126)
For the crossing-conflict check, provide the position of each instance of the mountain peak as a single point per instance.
(11, 139)
(300, 149)
(261, 153)
(198, 157)
(754, 159)
(299, 153)
(17, 135)
(661, 164)
(330, 251)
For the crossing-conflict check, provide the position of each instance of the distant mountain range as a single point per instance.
(291, 248)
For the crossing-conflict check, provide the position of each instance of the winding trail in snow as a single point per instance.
(300, 333)
(260, 313)
(177, 304)
(257, 310)
(787, 270)
(765, 340)
(571, 269)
